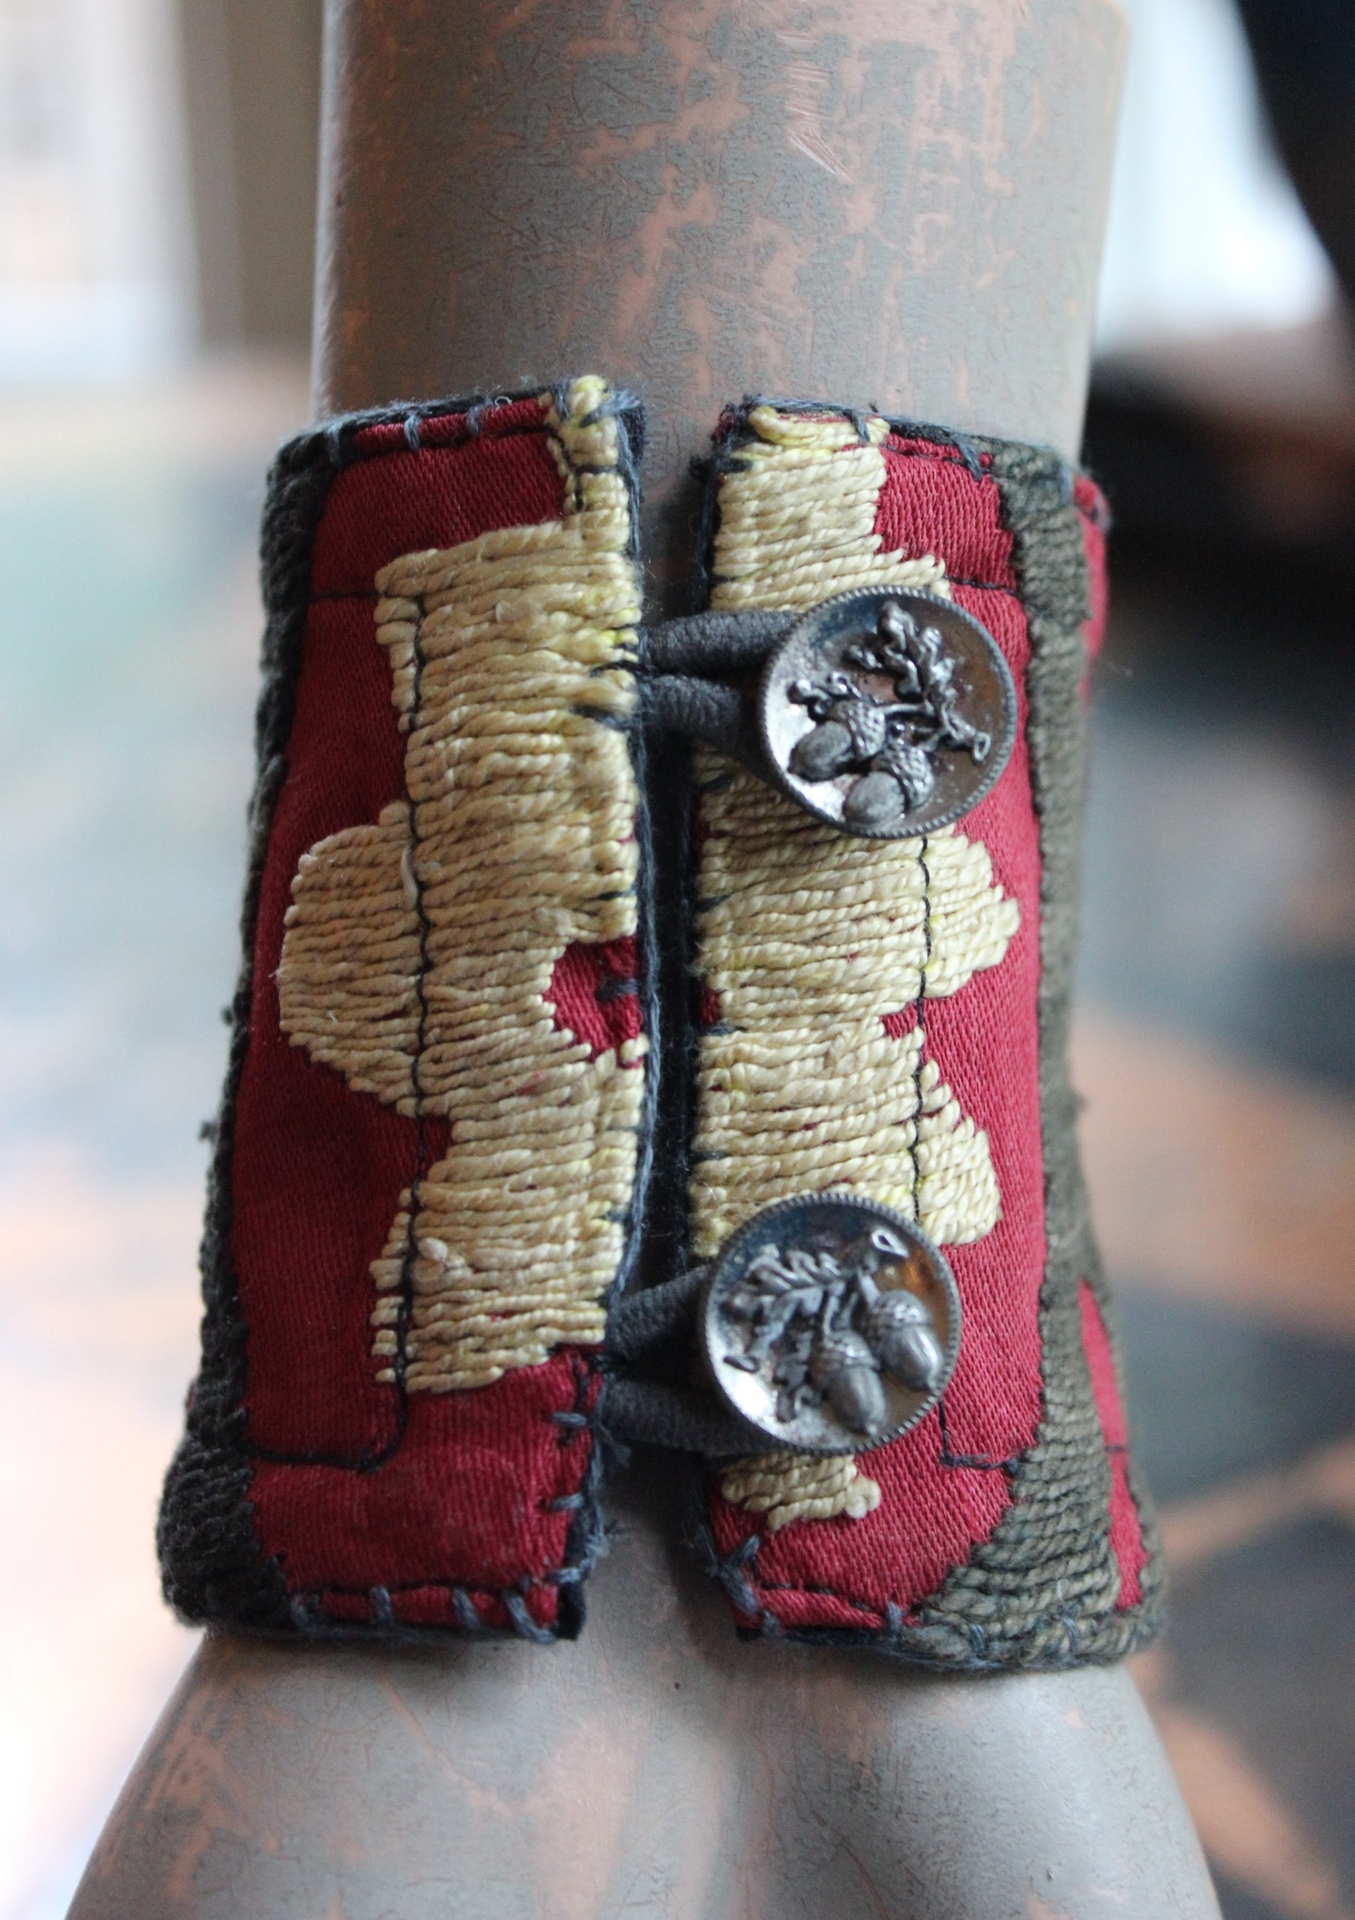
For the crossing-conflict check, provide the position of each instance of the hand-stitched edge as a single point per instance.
(1057, 1527)
(213, 1568)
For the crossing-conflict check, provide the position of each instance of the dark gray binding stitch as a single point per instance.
(212, 1566)
(985, 1614)
(1041, 1591)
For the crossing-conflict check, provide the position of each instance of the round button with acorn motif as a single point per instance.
(887, 713)
(831, 1323)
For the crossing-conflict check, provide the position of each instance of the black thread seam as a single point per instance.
(978, 1462)
(738, 436)
(914, 1616)
(920, 1030)
(371, 1459)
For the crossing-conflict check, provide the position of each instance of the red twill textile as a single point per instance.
(943, 1485)
(375, 1504)
(359, 1487)
(593, 992)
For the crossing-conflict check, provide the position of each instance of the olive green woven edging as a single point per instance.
(1041, 1590)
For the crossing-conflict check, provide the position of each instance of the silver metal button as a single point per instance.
(831, 1323)
(888, 714)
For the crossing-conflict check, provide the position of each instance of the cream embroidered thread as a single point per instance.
(810, 937)
(797, 522)
(419, 951)
(805, 1488)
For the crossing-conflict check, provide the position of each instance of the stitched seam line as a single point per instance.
(919, 1006)
(581, 1534)
(212, 1563)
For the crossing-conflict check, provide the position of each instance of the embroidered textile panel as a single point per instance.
(890, 1018)
(431, 1163)
(425, 1169)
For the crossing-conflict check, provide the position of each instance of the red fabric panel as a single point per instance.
(929, 1519)
(1126, 1534)
(592, 989)
(318, 1169)
(464, 1500)
(931, 503)
(985, 1040)
(405, 502)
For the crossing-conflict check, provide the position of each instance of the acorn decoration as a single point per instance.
(889, 744)
(808, 1318)
(900, 1334)
(843, 1370)
(851, 726)
(901, 778)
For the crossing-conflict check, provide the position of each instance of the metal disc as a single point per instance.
(887, 713)
(831, 1323)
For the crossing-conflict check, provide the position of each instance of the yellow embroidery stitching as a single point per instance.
(805, 1488)
(419, 951)
(810, 937)
(797, 524)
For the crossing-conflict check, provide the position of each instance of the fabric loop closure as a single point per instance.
(828, 1324)
(884, 712)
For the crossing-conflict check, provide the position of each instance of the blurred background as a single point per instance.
(157, 181)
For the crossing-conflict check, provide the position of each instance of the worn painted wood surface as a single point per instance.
(893, 202)
(655, 1767)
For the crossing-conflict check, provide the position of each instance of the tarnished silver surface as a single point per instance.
(831, 1323)
(888, 714)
